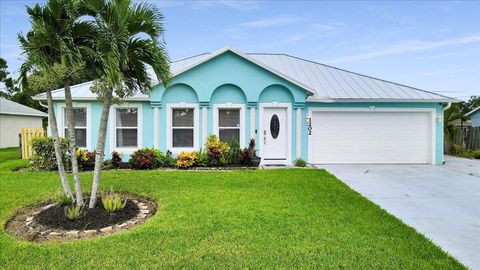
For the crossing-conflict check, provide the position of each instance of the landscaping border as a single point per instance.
(22, 224)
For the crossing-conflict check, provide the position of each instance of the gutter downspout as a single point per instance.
(449, 104)
(43, 105)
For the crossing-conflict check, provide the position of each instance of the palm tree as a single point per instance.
(450, 130)
(58, 38)
(23, 79)
(129, 41)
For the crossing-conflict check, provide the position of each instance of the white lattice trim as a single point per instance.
(298, 133)
(204, 124)
(252, 123)
(156, 127)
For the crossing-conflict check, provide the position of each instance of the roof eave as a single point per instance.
(352, 100)
(25, 114)
(92, 99)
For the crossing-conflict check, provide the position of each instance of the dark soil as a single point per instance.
(91, 219)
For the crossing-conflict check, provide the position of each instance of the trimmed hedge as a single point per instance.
(44, 153)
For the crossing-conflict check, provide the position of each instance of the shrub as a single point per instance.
(85, 159)
(117, 161)
(169, 160)
(112, 202)
(62, 199)
(202, 159)
(234, 154)
(251, 149)
(299, 162)
(73, 212)
(44, 153)
(216, 151)
(457, 150)
(146, 159)
(186, 159)
(245, 157)
(460, 151)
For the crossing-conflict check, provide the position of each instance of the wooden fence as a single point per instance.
(26, 135)
(468, 137)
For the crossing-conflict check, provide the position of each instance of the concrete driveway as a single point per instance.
(441, 202)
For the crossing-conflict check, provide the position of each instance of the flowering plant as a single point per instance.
(146, 159)
(216, 150)
(85, 159)
(186, 159)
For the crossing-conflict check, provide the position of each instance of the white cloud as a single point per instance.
(277, 21)
(408, 46)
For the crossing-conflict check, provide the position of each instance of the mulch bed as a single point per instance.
(47, 221)
(91, 219)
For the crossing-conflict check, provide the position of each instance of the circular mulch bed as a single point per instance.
(47, 221)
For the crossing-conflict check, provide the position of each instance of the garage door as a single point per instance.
(370, 137)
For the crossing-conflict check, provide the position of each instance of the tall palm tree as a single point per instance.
(129, 41)
(58, 38)
(52, 121)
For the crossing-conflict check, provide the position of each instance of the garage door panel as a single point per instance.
(370, 137)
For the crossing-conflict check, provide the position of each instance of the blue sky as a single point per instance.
(430, 45)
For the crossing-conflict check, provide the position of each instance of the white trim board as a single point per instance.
(288, 106)
(373, 109)
(216, 108)
(196, 119)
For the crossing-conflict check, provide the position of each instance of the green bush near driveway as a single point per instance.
(261, 219)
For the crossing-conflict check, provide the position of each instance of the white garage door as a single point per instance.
(371, 137)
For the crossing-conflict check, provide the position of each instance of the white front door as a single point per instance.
(274, 136)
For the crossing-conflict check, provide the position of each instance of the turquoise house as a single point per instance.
(292, 107)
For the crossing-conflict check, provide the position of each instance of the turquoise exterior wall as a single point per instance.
(228, 78)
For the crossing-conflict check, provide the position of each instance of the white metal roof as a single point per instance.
(13, 108)
(324, 83)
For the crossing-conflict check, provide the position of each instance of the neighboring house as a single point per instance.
(294, 108)
(474, 116)
(13, 117)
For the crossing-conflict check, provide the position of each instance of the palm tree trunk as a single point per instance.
(56, 146)
(99, 152)
(72, 145)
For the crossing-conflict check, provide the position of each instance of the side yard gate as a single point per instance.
(26, 135)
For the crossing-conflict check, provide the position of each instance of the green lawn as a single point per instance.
(242, 219)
